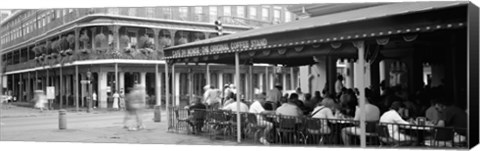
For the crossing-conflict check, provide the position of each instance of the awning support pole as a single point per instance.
(361, 61)
(237, 83)
(167, 96)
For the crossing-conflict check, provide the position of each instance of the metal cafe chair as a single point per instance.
(180, 119)
(232, 128)
(442, 137)
(386, 139)
(288, 132)
(313, 131)
(219, 123)
(253, 126)
(197, 120)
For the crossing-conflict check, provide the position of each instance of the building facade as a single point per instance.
(103, 50)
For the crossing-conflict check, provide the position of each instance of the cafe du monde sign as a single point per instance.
(222, 47)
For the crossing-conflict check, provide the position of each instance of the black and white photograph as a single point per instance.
(400, 75)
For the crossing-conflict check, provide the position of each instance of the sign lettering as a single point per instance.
(220, 47)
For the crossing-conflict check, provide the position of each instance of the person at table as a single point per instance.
(211, 98)
(324, 110)
(196, 122)
(274, 96)
(312, 103)
(372, 114)
(233, 106)
(258, 109)
(432, 114)
(393, 117)
(339, 86)
(290, 108)
(300, 94)
(453, 116)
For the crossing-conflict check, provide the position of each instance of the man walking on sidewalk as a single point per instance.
(134, 107)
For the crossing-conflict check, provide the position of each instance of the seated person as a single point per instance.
(372, 114)
(233, 106)
(393, 117)
(196, 120)
(324, 110)
(290, 108)
(453, 116)
(432, 114)
(257, 108)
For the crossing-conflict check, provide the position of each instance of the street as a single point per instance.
(98, 127)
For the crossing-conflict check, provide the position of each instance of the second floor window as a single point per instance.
(241, 11)
(167, 13)
(132, 12)
(265, 14)
(252, 13)
(276, 16)
(199, 13)
(150, 12)
(183, 13)
(288, 16)
(213, 13)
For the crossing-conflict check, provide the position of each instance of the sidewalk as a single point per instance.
(11, 110)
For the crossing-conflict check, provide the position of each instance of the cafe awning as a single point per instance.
(278, 44)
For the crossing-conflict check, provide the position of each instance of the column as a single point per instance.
(20, 88)
(331, 73)
(68, 80)
(116, 36)
(29, 83)
(143, 84)
(174, 97)
(261, 82)
(319, 71)
(177, 88)
(272, 79)
(220, 80)
(158, 86)
(167, 95)
(292, 79)
(83, 89)
(190, 84)
(267, 81)
(62, 89)
(102, 90)
(305, 73)
(75, 87)
(207, 74)
(121, 81)
(356, 75)
(93, 29)
(284, 82)
(157, 42)
(116, 78)
(361, 61)
(349, 78)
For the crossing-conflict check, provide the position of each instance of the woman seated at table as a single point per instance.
(324, 110)
(392, 117)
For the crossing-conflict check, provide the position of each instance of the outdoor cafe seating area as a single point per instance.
(305, 131)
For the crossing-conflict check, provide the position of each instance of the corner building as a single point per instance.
(120, 47)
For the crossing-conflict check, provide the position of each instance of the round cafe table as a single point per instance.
(418, 131)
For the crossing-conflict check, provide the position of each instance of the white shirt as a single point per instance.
(392, 116)
(372, 113)
(324, 113)
(256, 108)
(210, 96)
(233, 107)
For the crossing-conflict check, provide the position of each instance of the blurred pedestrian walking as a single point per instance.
(40, 100)
(134, 107)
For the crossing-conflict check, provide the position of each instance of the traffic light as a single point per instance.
(219, 27)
